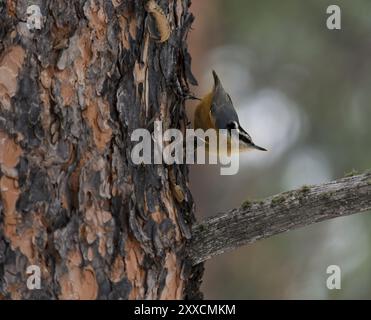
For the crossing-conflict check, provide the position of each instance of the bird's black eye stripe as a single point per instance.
(245, 138)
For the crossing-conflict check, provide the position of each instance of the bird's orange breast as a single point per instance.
(202, 118)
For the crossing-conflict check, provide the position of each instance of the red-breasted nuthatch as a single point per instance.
(216, 111)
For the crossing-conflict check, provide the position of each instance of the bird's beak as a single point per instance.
(254, 146)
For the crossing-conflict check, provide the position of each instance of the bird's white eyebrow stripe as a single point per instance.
(245, 134)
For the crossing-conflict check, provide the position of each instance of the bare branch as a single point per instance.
(280, 213)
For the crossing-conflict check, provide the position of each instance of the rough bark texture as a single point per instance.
(280, 213)
(72, 202)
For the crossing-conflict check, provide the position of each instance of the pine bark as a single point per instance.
(71, 200)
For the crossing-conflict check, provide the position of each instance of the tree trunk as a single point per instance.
(72, 202)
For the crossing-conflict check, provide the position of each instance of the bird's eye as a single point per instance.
(232, 125)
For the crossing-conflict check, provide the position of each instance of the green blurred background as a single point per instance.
(303, 92)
